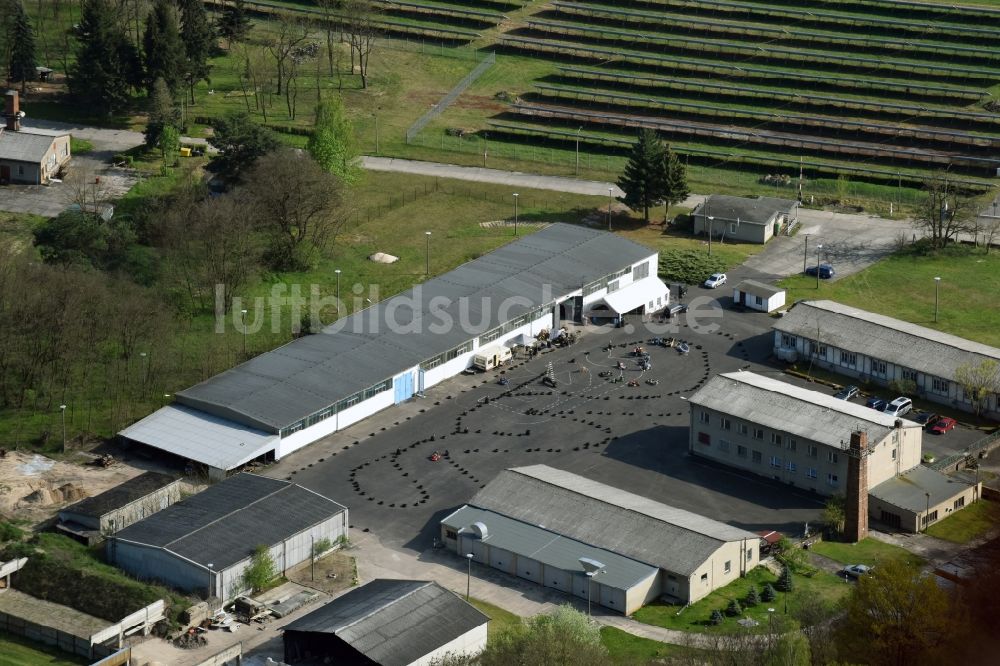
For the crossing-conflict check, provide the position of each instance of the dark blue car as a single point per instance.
(876, 403)
(826, 271)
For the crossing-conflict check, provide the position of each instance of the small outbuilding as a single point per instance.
(920, 497)
(388, 623)
(117, 508)
(758, 296)
(746, 219)
(31, 157)
(207, 540)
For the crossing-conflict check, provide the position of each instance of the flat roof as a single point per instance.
(908, 490)
(752, 210)
(196, 435)
(224, 523)
(49, 614)
(755, 288)
(877, 336)
(549, 547)
(785, 407)
(123, 494)
(606, 517)
(394, 622)
(284, 386)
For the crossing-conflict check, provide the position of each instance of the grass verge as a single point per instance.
(500, 619)
(624, 648)
(970, 523)
(869, 551)
(19, 651)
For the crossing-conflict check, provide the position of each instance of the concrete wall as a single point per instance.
(471, 642)
(835, 359)
(723, 446)
(643, 593)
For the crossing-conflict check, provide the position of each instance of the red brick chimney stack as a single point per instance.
(12, 111)
(856, 504)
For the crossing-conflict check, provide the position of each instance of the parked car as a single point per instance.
(943, 425)
(826, 271)
(847, 393)
(715, 280)
(857, 570)
(927, 418)
(876, 403)
(899, 407)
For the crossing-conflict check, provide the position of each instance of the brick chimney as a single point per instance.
(856, 504)
(12, 111)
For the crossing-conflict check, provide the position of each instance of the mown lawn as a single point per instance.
(19, 651)
(902, 286)
(869, 551)
(822, 587)
(500, 620)
(963, 526)
(624, 648)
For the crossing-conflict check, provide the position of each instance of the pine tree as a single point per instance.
(234, 23)
(199, 39)
(163, 47)
(332, 141)
(785, 582)
(22, 48)
(675, 187)
(163, 113)
(753, 597)
(716, 618)
(643, 179)
(106, 67)
(769, 593)
(734, 608)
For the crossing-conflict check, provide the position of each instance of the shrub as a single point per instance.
(688, 266)
(10, 532)
(716, 618)
(769, 593)
(321, 547)
(753, 597)
(262, 569)
(734, 608)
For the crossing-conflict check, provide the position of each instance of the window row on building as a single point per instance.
(604, 282)
(777, 462)
(449, 355)
(344, 404)
(513, 324)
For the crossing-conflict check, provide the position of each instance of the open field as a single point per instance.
(970, 523)
(822, 587)
(19, 651)
(902, 286)
(870, 551)
(624, 648)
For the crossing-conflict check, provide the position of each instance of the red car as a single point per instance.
(943, 425)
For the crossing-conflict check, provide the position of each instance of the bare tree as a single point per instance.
(360, 25)
(990, 227)
(946, 211)
(302, 217)
(290, 34)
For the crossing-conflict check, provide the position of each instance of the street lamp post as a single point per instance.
(337, 271)
(927, 511)
(211, 581)
(427, 254)
(590, 580)
(375, 115)
(610, 191)
(770, 620)
(468, 579)
(818, 255)
(805, 254)
(243, 319)
(937, 288)
(710, 219)
(62, 413)
(515, 213)
(579, 129)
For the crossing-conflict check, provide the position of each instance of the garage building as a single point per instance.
(747, 219)
(550, 527)
(921, 497)
(758, 296)
(882, 350)
(292, 396)
(29, 157)
(117, 508)
(388, 623)
(205, 542)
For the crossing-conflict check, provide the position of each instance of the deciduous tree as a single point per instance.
(361, 28)
(240, 142)
(332, 141)
(643, 180)
(946, 211)
(162, 113)
(262, 569)
(979, 381)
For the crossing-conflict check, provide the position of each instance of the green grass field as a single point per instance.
(19, 651)
(970, 523)
(822, 587)
(869, 551)
(500, 620)
(625, 648)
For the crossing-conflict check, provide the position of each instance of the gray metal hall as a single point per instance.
(206, 541)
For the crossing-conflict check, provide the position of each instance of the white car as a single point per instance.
(715, 280)
(857, 570)
(899, 407)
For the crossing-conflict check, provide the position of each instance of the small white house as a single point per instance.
(758, 296)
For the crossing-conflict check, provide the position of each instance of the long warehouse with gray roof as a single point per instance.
(554, 528)
(287, 398)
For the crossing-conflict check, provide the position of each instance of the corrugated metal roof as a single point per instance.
(281, 387)
(122, 494)
(24, 146)
(607, 517)
(755, 288)
(781, 406)
(877, 336)
(760, 210)
(907, 491)
(224, 523)
(393, 622)
(195, 435)
(550, 548)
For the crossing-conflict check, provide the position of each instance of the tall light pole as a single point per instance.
(710, 219)
(62, 413)
(337, 271)
(375, 115)
(590, 568)
(427, 254)
(211, 581)
(578, 130)
(818, 255)
(770, 620)
(468, 579)
(515, 213)
(243, 319)
(937, 289)
(805, 254)
(927, 511)
(610, 191)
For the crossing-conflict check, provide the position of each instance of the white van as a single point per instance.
(491, 357)
(899, 407)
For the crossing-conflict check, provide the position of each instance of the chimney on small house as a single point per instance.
(12, 111)
(856, 504)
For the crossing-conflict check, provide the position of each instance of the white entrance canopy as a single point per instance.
(638, 294)
(199, 436)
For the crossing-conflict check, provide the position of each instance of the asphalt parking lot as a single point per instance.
(633, 437)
